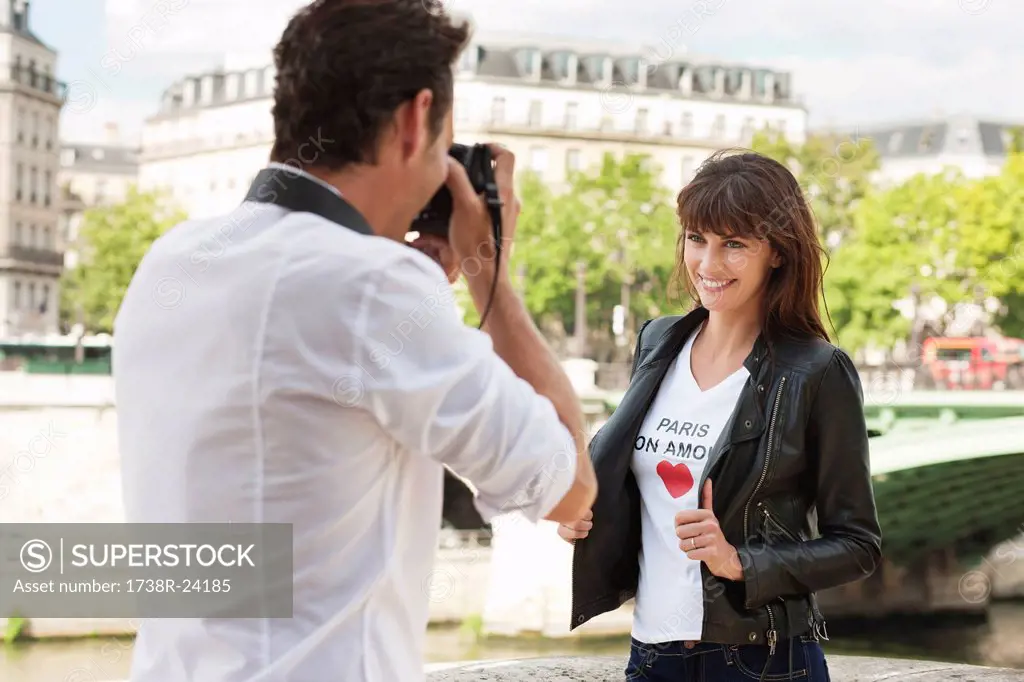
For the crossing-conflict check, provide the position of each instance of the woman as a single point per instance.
(740, 426)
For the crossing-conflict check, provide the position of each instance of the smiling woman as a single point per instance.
(740, 418)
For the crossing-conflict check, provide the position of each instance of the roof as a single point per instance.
(959, 135)
(98, 158)
(17, 22)
(531, 61)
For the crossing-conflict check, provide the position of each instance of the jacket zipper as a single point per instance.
(778, 526)
(818, 628)
(773, 634)
(767, 458)
(572, 587)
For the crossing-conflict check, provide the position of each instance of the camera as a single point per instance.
(436, 217)
(476, 159)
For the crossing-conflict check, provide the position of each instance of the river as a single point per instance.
(997, 641)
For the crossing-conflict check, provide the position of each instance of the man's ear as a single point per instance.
(414, 123)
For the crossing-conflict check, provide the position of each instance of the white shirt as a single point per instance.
(276, 367)
(669, 456)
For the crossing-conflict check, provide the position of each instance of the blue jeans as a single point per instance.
(800, 659)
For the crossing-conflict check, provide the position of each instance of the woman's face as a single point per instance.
(729, 273)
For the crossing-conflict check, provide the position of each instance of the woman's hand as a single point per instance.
(701, 538)
(441, 252)
(578, 530)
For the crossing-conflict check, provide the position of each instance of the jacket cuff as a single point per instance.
(750, 572)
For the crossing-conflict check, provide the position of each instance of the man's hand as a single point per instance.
(701, 538)
(471, 233)
(441, 252)
(578, 530)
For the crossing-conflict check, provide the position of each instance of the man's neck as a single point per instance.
(361, 188)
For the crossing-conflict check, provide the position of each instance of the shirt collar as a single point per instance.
(295, 170)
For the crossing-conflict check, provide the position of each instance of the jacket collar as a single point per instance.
(672, 342)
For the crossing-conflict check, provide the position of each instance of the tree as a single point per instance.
(834, 171)
(953, 238)
(615, 219)
(899, 237)
(990, 254)
(113, 239)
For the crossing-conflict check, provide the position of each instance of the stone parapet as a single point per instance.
(611, 669)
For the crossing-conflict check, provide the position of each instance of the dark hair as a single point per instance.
(344, 66)
(749, 195)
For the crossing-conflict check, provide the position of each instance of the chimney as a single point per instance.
(112, 133)
(19, 14)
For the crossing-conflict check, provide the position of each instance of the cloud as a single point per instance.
(850, 62)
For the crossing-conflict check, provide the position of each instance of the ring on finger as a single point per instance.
(693, 544)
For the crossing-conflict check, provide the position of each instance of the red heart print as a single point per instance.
(677, 478)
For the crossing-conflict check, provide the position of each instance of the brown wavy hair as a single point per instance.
(749, 195)
(345, 66)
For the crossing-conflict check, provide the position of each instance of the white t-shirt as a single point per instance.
(276, 367)
(669, 456)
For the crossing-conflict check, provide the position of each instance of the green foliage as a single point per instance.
(619, 223)
(946, 234)
(112, 241)
(14, 629)
(897, 234)
(835, 173)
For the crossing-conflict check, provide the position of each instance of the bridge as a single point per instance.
(948, 470)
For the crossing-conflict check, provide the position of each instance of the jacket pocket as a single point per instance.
(774, 528)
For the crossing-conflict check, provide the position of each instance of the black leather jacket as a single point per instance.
(796, 447)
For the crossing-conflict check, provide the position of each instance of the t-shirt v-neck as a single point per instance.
(669, 457)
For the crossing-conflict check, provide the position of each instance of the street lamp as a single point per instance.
(581, 309)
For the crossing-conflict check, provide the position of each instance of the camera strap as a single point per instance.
(294, 191)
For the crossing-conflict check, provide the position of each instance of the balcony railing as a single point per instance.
(38, 80)
(35, 256)
(669, 135)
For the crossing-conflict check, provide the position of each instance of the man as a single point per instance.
(274, 365)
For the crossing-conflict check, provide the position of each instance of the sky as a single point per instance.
(852, 63)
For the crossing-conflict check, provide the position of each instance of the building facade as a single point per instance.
(975, 147)
(559, 108)
(91, 175)
(30, 103)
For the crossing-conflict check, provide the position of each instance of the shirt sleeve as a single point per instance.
(439, 389)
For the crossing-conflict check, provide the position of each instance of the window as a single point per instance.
(44, 302)
(461, 110)
(641, 121)
(538, 159)
(17, 295)
(19, 179)
(19, 235)
(686, 125)
(535, 114)
(687, 169)
(895, 141)
(31, 302)
(35, 129)
(21, 124)
(498, 110)
(718, 126)
(47, 238)
(572, 161)
(34, 185)
(33, 237)
(47, 179)
(747, 131)
(571, 112)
